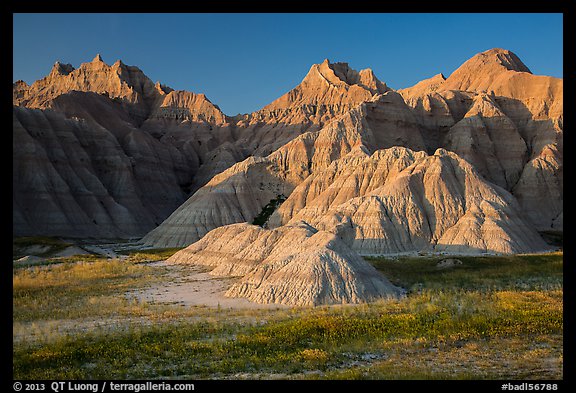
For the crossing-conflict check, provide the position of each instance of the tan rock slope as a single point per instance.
(103, 151)
(399, 201)
(504, 120)
(294, 265)
(106, 152)
(128, 84)
(503, 141)
(357, 173)
(328, 90)
(392, 201)
(472, 163)
(239, 193)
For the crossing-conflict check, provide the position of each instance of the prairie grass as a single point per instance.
(514, 272)
(451, 331)
(77, 289)
(150, 255)
(51, 244)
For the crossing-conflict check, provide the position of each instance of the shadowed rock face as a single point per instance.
(74, 177)
(165, 144)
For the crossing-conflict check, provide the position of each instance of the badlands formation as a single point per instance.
(467, 164)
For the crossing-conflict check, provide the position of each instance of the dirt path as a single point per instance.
(194, 286)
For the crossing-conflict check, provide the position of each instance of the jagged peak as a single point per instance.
(482, 70)
(163, 88)
(331, 73)
(439, 76)
(341, 74)
(61, 69)
(338, 73)
(118, 64)
(20, 84)
(97, 59)
(343, 71)
(367, 73)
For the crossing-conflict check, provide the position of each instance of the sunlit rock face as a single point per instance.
(102, 151)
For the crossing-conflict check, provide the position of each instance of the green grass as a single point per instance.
(150, 255)
(500, 330)
(518, 272)
(59, 260)
(74, 290)
(54, 245)
(311, 339)
(262, 217)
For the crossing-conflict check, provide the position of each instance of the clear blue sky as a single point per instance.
(244, 61)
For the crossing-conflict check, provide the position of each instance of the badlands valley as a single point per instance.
(345, 230)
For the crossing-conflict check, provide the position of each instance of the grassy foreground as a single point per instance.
(492, 317)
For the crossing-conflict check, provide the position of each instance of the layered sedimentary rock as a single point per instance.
(81, 165)
(75, 177)
(505, 121)
(240, 193)
(327, 91)
(485, 129)
(437, 203)
(392, 201)
(293, 265)
(164, 144)
(214, 143)
(126, 84)
(488, 138)
(472, 163)
(355, 174)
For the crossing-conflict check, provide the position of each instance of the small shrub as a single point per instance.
(262, 218)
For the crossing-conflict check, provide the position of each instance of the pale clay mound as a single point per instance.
(393, 201)
(292, 265)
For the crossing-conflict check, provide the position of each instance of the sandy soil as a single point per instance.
(194, 286)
